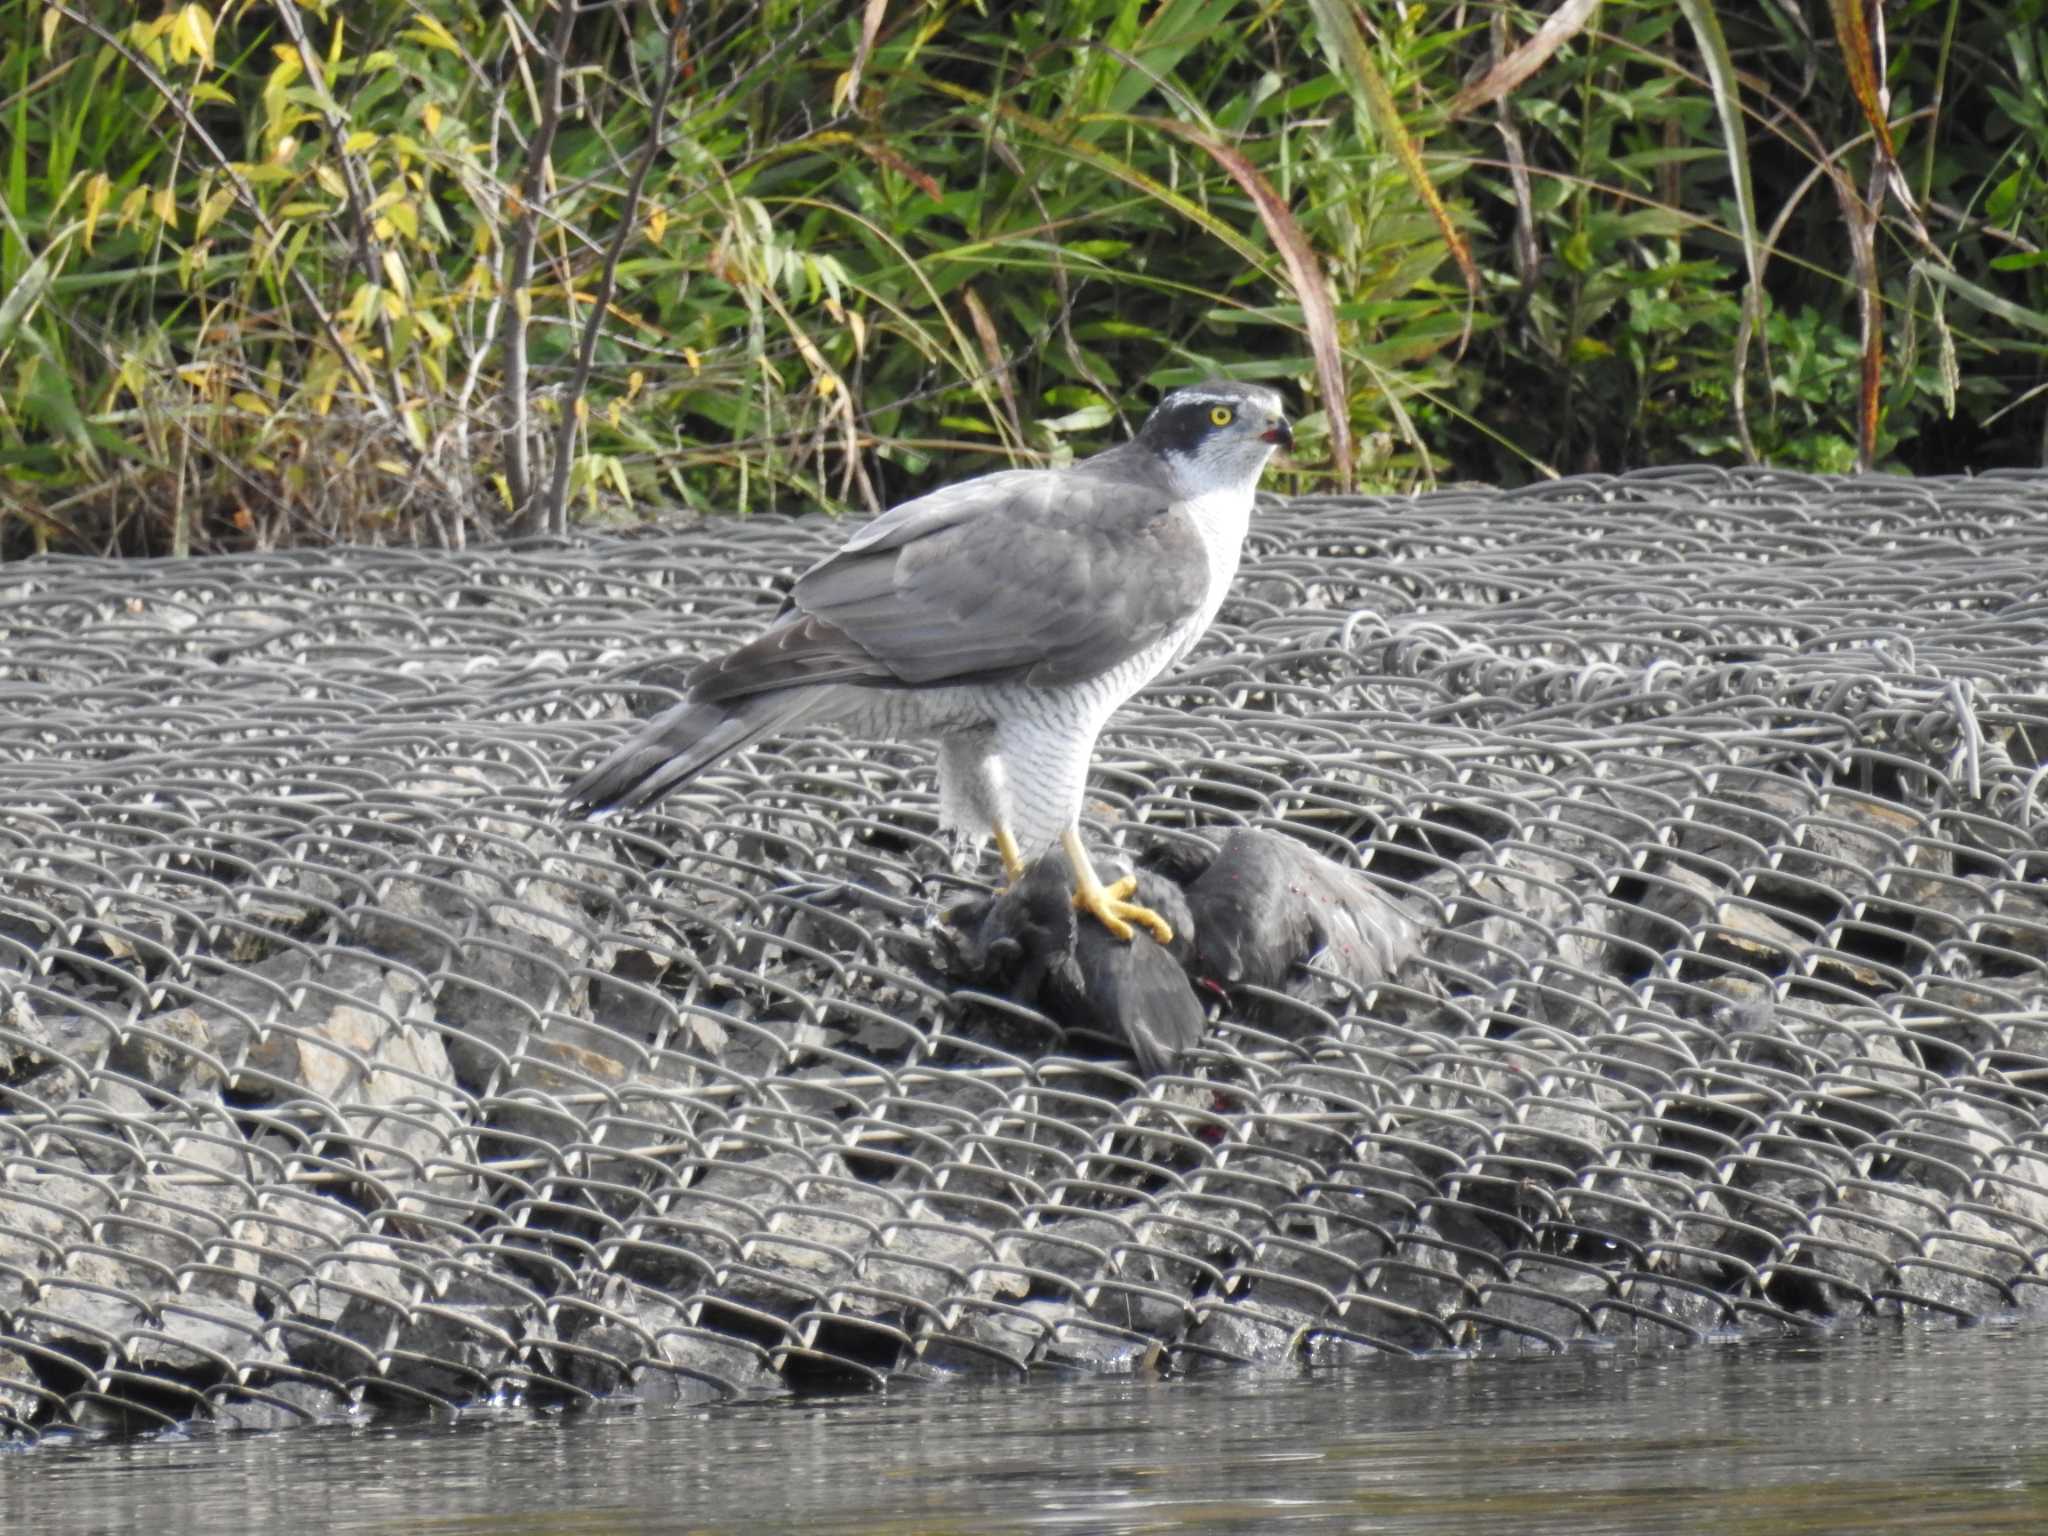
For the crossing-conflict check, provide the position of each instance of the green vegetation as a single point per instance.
(446, 269)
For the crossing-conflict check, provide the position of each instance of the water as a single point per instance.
(1886, 1431)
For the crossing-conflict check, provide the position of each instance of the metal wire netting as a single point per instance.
(1674, 960)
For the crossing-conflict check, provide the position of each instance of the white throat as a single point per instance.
(1223, 516)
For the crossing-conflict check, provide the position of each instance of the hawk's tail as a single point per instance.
(678, 744)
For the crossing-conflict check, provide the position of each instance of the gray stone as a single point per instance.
(197, 1336)
(23, 1397)
(1250, 1332)
(277, 1405)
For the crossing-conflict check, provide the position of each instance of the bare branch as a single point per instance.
(369, 250)
(556, 507)
(527, 512)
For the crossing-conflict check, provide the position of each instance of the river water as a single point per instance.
(1921, 1431)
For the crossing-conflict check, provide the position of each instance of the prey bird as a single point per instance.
(1006, 616)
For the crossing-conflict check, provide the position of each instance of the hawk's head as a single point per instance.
(1217, 435)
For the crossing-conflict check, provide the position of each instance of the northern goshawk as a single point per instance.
(1007, 616)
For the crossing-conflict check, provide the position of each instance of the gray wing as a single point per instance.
(1047, 577)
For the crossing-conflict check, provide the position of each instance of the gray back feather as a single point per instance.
(1048, 577)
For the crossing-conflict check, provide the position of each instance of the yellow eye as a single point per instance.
(1221, 415)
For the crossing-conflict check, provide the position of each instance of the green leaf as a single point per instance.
(1984, 298)
(2003, 199)
(21, 299)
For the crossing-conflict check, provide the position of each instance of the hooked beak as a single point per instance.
(1280, 435)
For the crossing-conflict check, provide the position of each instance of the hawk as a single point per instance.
(1006, 616)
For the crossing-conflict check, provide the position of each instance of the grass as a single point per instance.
(439, 270)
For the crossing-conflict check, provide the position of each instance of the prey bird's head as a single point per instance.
(1217, 435)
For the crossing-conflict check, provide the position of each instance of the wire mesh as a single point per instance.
(1675, 966)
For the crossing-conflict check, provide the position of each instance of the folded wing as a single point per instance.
(1040, 578)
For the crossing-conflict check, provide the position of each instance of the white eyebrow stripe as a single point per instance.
(1265, 397)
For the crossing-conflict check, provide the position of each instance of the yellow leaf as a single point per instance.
(857, 323)
(395, 270)
(657, 225)
(430, 119)
(828, 385)
(404, 216)
(210, 211)
(192, 35)
(690, 356)
(164, 204)
(134, 376)
(635, 382)
(131, 207)
(432, 33)
(614, 411)
(279, 113)
(147, 37)
(394, 467)
(50, 20)
(266, 249)
(358, 141)
(582, 409)
(253, 403)
(323, 375)
(97, 190)
(331, 182)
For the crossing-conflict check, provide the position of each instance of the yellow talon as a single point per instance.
(1109, 904)
(1013, 860)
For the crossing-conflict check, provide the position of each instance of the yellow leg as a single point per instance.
(1013, 861)
(1108, 903)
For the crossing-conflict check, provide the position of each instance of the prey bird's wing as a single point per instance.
(1043, 577)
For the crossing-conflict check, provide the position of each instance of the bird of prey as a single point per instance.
(1007, 616)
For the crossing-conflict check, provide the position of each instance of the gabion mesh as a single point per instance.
(1695, 819)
